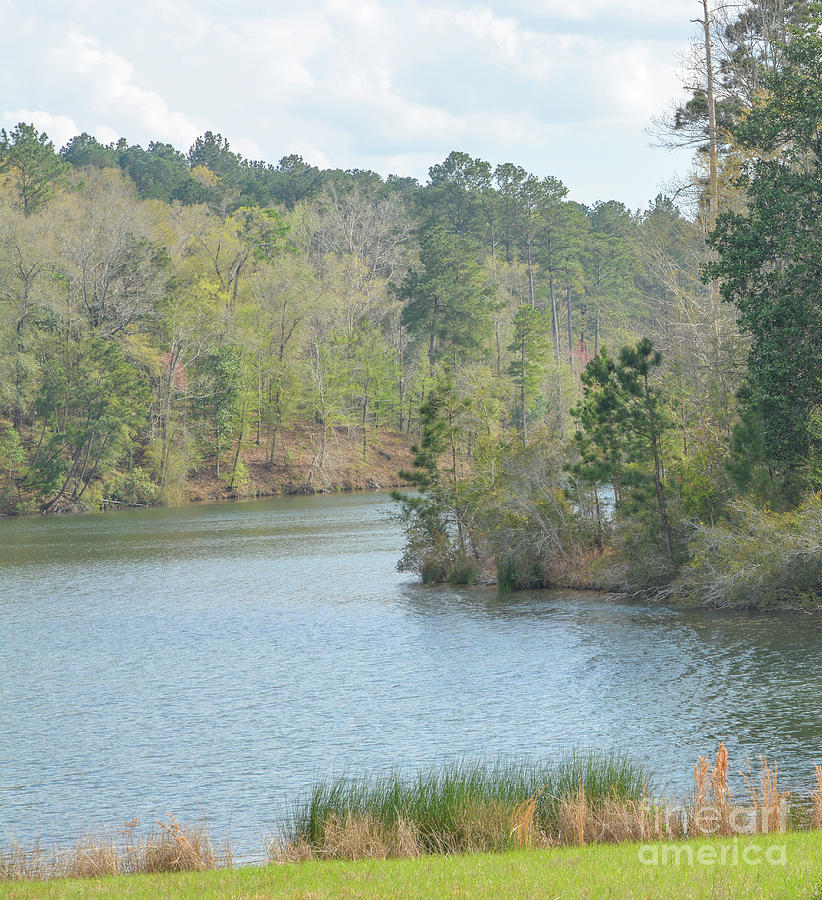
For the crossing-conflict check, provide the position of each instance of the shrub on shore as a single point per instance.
(761, 560)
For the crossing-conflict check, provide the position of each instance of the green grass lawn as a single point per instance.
(606, 870)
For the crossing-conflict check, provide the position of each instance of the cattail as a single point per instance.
(817, 798)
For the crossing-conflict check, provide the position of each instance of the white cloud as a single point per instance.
(590, 10)
(105, 134)
(310, 155)
(59, 128)
(111, 79)
(245, 147)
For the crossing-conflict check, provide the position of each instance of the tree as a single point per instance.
(294, 180)
(92, 403)
(458, 197)
(624, 416)
(370, 373)
(612, 263)
(12, 465)
(28, 161)
(222, 371)
(528, 363)
(769, 261)
(84, 151)
(434, 521)
(110, 265)
(27, 292)
(448, 303)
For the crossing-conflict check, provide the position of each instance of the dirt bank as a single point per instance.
(301, 466)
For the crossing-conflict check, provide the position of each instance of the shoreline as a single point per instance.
(582, 803)
(295, 472)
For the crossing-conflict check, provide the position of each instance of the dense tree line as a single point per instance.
(161, 310)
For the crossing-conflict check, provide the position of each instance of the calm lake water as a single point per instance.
(212, 660)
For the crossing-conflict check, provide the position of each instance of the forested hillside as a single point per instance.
(591, 391)
(162, 311)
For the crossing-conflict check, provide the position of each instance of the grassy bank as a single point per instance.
(586, 824)
(786, 866)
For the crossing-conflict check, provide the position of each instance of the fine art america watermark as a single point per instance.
(694, 853)
(735, 823)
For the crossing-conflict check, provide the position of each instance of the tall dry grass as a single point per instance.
(615, 820)
(769, 803)
(816, 799)
(711, 811)
(169, 847)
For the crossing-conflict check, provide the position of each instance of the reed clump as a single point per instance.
(456, 808)
(816, 799)
(169, 847)
(614, 820)
(769, 803)
(710, 811)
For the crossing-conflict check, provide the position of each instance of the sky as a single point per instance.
(562, 87)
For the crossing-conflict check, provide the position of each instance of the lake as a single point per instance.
(213, 660)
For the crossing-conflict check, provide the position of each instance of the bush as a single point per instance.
(170, 473)
(239, 480)
(463, 570)
(519, 572)
(761, 560)
(134, 488)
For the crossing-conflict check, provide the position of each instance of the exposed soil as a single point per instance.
(301, 467)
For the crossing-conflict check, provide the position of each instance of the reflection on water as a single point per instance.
(215, 659)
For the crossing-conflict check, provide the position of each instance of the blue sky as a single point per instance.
(562, 88)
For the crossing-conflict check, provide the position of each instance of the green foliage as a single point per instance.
(527, 366)
(769, 262)
(132, 488)
(12, 468)
(624, 415)
(748, 464)
(531, 520)
(222, 371)
(759, 560)
(239, 479)
(448, 302)
(28, 161)
(463, 570)
(437, 545)
(438, 802)
(702, 481)
(92, 403)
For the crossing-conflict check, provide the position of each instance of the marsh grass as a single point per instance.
(710, 810)
(458, 807)
(816, 799)
(170, 847)
(768, 801)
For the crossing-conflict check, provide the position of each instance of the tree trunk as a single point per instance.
(522, 396)
(554, 317)
(660, 494)
(713, 167)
